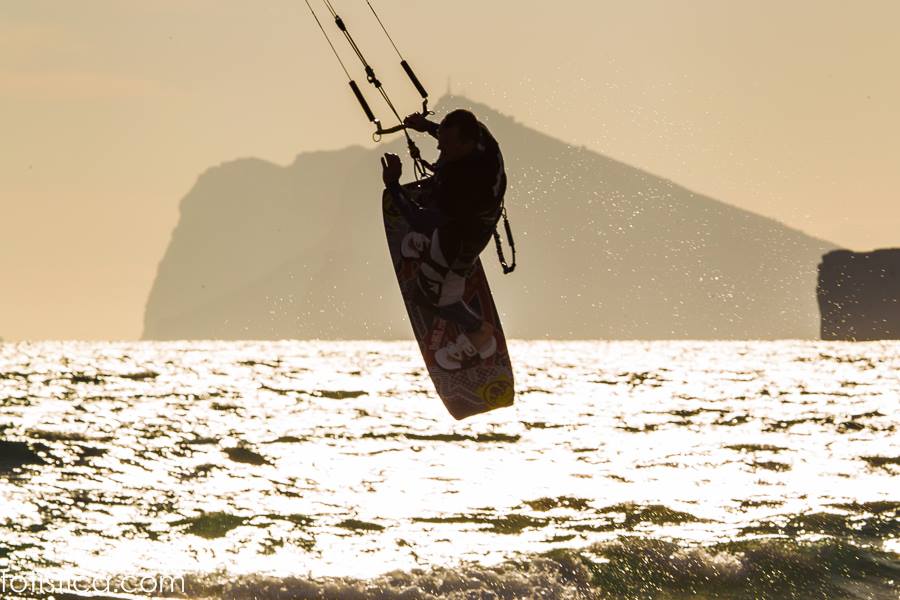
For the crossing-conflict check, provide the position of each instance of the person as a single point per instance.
(465, 201)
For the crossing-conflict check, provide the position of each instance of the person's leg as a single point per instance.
(443, 288)
(463, 315)
(452, 307)
(478, 331)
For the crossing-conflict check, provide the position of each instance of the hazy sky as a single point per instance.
(110, 109)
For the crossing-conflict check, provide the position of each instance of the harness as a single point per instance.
(422, 167)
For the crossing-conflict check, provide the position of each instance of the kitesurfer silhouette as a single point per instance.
(465, 202)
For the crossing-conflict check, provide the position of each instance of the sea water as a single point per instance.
(332, 470)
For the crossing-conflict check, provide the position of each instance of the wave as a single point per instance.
(628, 568)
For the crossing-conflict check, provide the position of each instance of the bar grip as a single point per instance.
(414, 79)
(362, 101)
(393, 129)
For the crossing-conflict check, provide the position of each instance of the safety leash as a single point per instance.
(507, 268)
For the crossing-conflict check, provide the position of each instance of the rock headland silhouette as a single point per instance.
(859, 295)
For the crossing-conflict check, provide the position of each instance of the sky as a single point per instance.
(111, 109)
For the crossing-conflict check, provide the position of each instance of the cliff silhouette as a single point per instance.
(606, 251)
(859, 295)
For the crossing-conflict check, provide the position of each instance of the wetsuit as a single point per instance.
(465, 199)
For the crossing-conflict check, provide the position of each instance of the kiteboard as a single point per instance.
(465, 392)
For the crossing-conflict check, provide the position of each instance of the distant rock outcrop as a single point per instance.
(859, 295)
(606, 251)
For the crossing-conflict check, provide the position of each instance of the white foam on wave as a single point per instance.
(621, 569)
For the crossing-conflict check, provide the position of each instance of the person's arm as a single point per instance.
(423, 220)
(419, 218)
(422, 124)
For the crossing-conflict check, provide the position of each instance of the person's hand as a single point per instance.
(392, 168)
(417, 122)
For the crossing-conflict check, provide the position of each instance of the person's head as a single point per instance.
(458, 135)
